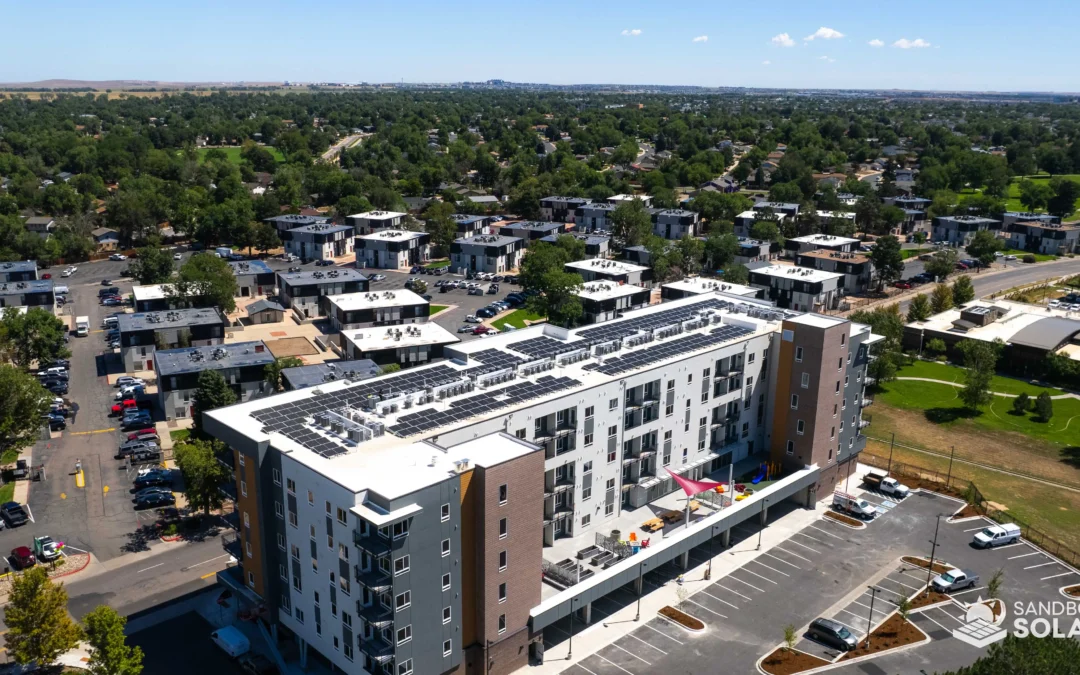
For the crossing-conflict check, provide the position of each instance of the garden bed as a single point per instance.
(1072, 591)
(925, 599)
(923, 563)
(682, 618)
(845, 520)
(894, 632)
(789, 661)
(968, 511)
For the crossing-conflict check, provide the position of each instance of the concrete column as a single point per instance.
(586, 613)
(764, 516)
(684, 560)
(273, 631)
(303, 652)
(639, 585)
(725, 538)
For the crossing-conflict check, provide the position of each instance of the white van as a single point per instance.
(997, 535)
(231, 641)
(60, 290)
(854, 505)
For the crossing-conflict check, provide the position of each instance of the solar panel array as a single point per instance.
(665, 350)
(544, 347)
(491, 359)
(479, 404)
(621, 329)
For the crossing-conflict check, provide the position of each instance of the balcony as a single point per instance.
(866, 401)
(557, 485)
(549, 433)
(373, 544)
(377, 649)
(375, 578)
(375, 613)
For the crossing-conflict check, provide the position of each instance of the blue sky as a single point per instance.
(950, 44)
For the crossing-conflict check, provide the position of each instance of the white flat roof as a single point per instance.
(606, 266)
(392, 235)
(352, 301)
(706, 285)
(378, 215)
(824, 240)
(395, 337)
(1017, 316)
(629, 198)
(757, 215)
(799, 273)
(607, 290)
(846, 215)
(817, 320)
(154, 292)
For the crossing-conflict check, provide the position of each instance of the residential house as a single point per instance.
(105, 239)
(799, 288)
(265, 311)
(373, 221)
(43, 226)
(856, 268)
(675, 224)
(561, 209)
(384, 308)
(253, 278)
(320, 242)
(143, 332)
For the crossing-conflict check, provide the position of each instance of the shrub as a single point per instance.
(1029, 258)
(1021, 404)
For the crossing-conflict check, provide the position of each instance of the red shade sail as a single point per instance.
(692, 487)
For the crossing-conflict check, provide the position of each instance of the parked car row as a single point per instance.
(420, 269)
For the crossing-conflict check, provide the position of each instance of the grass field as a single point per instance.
(518, 318)
(1039, 257)
(947, 373)
(437, 264)
(234, 153)
(1013, 203)
(7, 492)
(180, 435)
(435, 309)
(906, 253)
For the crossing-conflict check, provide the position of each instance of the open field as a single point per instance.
(233, 153)
(906, 253)
(1013, 203)
(435, 309)
(437, 264)
(1039, 257)
(949, 373)
(518, 318)
(294, 346)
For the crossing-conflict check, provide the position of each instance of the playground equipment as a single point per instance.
(766, 471)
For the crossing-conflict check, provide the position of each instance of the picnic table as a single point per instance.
(652, 525)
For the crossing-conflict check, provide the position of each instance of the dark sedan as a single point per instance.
(154, 499)
(14, 514)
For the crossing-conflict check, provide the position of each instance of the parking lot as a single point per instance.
(820, 570)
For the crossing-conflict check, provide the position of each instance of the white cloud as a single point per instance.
(765, 63)
(917, 43)
(701, 38)
(783, 40)
(825, 34)
(876, 43)
(827, 59)
(632, 32)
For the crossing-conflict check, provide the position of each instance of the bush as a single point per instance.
(1021, 404)
(1029, 258)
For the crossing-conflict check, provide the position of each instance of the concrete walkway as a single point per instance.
(995, 393)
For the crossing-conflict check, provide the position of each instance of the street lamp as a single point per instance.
(570, 648)
(640, 591)
(870, 621)
(933, 550)
(761, 523)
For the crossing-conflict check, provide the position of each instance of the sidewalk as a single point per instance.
(726, 561)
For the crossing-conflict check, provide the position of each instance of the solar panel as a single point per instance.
(544, 347)
(662, 351)
(651, 321)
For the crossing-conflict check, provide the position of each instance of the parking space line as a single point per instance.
(1055, 576)
(970, 590)
(792, 541)
(743, 569)
(794, 554)
(812, 538)
(1052, 562)
(614, 664)
(730, 576)
(830, 534)
(927, 615)
(914, 588)
(585, 669)
(706, 609)
(954, 618)
(857, 616)
(616, 646)
(1023, 555)
(770, 568)
(1002, 548)
(976, 529)
(781, 560)
(646, 643)
(664, 634)
(720, 600)
(881, 599)
(745, 597)
(876, 609)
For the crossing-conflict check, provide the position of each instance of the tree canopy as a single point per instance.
(207, 277)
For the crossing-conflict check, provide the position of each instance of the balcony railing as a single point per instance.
(375, 578)
(374, 613)
(864, 423)
(372, 543)
(866, 401)
(558, 431)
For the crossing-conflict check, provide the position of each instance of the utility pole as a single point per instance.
(952, 452)
(641, 591)
(570, 647)
(933, 550)
(891, 444)
(870, 621)
(761, 523)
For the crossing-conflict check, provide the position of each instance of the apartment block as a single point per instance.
(596, 245)
(1044, 237)
(561, 209)
(606, 300)
(253, 278)
(30, 294)
(320, 242)
(19, 270)
(392, 249)
(405, 345)
(594, 217)
(372, 221)
(487, 253)
(675, 223)
(303, 291)
(382, 308)
(799, 288)
(616, 271)
(960, 230)
(823, 242)
(531, 230)
(856, 268)
(242, 364)
(143, 332)
(470, 226)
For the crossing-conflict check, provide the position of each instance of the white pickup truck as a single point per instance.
(854, 505)
(887, 484)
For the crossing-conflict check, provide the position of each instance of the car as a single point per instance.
(59, 372)
(493, 289)
(112, 302)
(68, 271)
(833, 634)
(475, 291)
(13, 514)
(128, 380)
(257, 664)
(467, 328)
(324, 263)
(902, 284)
(153, 479)
(56, 363)
(1010, 257)
(60, 388)
(56, 423)
(483, 330)
(46, 276)
(153, 500)
(135, 421)
(472, 318)
(130, 391)
(106, 282)
(151, 454)
(1054, 304)
(118, 256)
(486, 313)
(439, 271)
(289, 257)
(144, 435)
(22, 558)
(961, 266)
(377, 277)
(497, 278)
(123, 406)
(415, 269)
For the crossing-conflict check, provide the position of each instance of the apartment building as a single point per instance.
(856, 268)
(253, 278)
(675, 223)
(1010, 217)
(303, 291)
(1044, 237)
(392, 249)
(290, 221)
(373, 221)
(799, 288)
(470, 226)
(531, 230)
(315, 374)
(744, 222)
(242, 364)
(406, 345)
(607, 300)
(691, 286)
(487, 253)
(320, 242)
(162, 297)
(754, 250)
(825, 242)
(615, 200)
(18, 270)
(143, 332)
(596, 245)
(593, 217)
(789, 209)
(960, 230)
(400, 524)
(380, 308)
(617, 271)
(561, 209)
(35, 293)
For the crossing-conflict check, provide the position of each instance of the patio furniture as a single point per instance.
(672, 516)
(653, 524)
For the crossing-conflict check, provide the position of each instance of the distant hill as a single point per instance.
(123, 84)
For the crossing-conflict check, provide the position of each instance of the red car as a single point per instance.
(22, 558)
(961, 266)
(46, 276)
(119, 408)
(143, 435)
(482, 330)
(902, 284)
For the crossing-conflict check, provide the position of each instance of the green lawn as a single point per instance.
(234, 153)
(942, 371)
(906, 253)
(1039, 257)
(9, 456)
(435, 309)
(1013, 203)
(180, 435)
(7, 492)
(437, 264)
(518, 318)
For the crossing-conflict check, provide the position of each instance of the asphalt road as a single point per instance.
(1017, 274)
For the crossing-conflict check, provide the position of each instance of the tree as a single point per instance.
(1028, 655)
(1044, 406)
(936, 346)
(919, 309)
(766, 230)
(203, 473)
(265, 237)
(887, 259)
(211, 392)
(110, 654)
(35, 335)
(23, 403)
(209, 277)
(942, 263)
(903, 606)
(559, 301)
(1066, 192)
(720, 250)
(993, 584)
(272, 371)
(630, 222)
(785, 192)
(1035, 195)
(390, 369)
(419, 287)
(152, 265)
(791, 637)
(441, 227)
(737, 274)
(39, 627)
(983, 246)
(980, 361)
(941, 299)
(661, 257)
(1021, 404)
(962, 291)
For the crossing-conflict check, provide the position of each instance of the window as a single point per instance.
(241, 456)
(279, 510)
(444, 513)
(841, 426)
(798, 354)
(299, 614)
(328, 508)
(689, 378)
(840, 363)
(502, 535)
(520, 433)
(800, 428)
(502, 494)
(446, 615)
(794, 401)
(588, 412)
(588, 440)
(805, 380)
(612, 431)
(446, 542)
(611, 456)
(292, 519)
(343, 552)
(837, 392)
(791, 447)
(402, 601)
(586, 467)
(830, 454)
(502, 623)
(750, 358)
(843, 337)
(404, 634)
(405, 667)
(446, 581)
(685, 454)
(613, 403)
(243, 487)
(834, 409)
(290, 485)
(703, 421)
(281, 541)
(283, 572)
(832, 433)
(342, 517)
(330, 542)
(277, 476)
(294, 551)
(310, 498)
(847, 379)
(446, 647)
(586, 519)
(502, 560)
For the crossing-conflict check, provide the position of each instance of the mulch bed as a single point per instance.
(918, 482)
(939, 566)
(846, 520)
(893, 633)
(924, 599)
(786, 662)
(967, 512)
(682, 618)
(1072, 591)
